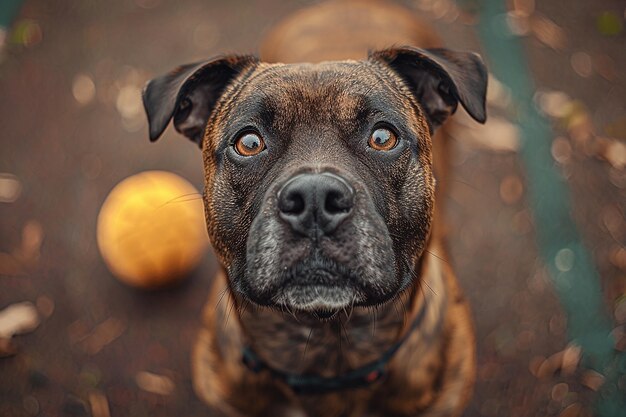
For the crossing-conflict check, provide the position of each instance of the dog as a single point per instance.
(334, 296)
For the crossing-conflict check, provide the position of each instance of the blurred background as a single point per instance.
(72, 126)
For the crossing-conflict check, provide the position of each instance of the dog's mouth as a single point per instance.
(323, 301)
(318, 286)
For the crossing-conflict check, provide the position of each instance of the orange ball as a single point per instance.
(151, 231)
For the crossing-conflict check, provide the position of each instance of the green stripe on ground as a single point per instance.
(572, 272)
(8, 11)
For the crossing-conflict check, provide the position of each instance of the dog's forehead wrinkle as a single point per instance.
(304, 91)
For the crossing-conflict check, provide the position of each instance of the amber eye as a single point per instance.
(249, 144)
(383, 139)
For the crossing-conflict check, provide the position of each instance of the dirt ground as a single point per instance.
(72, 126)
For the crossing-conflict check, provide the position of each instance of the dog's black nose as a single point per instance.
(315, 204)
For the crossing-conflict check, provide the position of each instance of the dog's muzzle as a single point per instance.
(318, 245)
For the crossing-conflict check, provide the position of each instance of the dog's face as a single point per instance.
(319, 189)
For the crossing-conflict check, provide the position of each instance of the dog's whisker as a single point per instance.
(306, 345)
(351, 310)
(173, 200)
(345, 311)
(473, 187)
(230, 309)
(418, 279)
(245, 303)
(398, 313)
(374, 314)
(183, 201)
(421, 289)
(429, 287)
(291, 312)
(345, 331)
(436, 256)
(221, 297)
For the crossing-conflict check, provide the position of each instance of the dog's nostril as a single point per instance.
(292, 203)
(337, 202)
(315, 203)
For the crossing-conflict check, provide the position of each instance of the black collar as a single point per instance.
(356, 378)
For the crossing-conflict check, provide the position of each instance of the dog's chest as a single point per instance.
(407, 390)
(352, 340)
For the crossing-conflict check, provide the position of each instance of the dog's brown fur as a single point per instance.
(433, 372)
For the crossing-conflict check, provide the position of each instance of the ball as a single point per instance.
(151, 231)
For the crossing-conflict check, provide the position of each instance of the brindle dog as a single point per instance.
(320, 205)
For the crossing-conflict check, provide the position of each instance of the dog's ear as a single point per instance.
(188, 94)
(440, 79)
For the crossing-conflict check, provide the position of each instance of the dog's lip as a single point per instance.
(324, 277)
(322, 300)
(343, 281)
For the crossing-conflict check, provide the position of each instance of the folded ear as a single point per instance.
(188, 94)
(440, 79)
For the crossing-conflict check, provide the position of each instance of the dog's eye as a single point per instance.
(249, 144)
(382, 139)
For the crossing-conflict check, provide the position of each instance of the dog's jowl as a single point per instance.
(320, 205)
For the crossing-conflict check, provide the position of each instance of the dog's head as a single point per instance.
(319, 190)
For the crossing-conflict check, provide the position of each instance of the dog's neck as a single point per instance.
(352, 339)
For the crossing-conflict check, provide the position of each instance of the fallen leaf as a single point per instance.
(31, 405)
(17, 319)
(103, 334)
(32, 238)
(83, 89)
(45, 305)
(581, 64)
(618, 258)
(77, 331)
(511, 189)
(99, 404)
(559, 391)
(555, 104)
(615, 153)
(525, 7)
(571, 359)
(565, 362)
(561, 150)
(10, 188)
(592, 379)
(548, 32)
(154, 383)
(572, 410)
